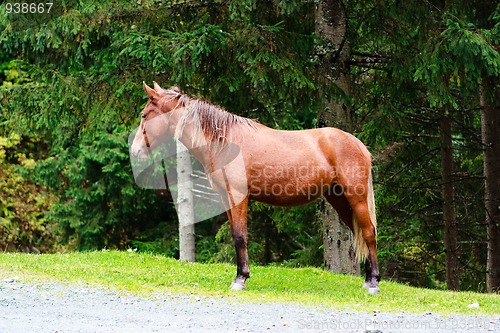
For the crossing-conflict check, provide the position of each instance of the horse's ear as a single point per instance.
(158, 88)
(152, 94)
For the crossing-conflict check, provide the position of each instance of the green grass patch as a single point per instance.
(147, 274)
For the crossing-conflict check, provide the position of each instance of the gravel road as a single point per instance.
(53, 307)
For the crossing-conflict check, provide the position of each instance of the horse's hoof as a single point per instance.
(238, 286)
(371, 289)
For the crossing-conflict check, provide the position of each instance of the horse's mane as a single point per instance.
(214, 123)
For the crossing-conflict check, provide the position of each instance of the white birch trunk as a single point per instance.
(185, 204)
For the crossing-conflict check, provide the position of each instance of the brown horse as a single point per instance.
(286, 168)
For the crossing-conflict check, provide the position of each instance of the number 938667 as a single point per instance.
(28, 7)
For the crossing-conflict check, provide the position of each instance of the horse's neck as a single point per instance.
(196, 144)
(209, 154)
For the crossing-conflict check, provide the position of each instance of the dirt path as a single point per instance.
(53, 307)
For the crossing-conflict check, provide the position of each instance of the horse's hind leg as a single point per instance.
(336, 198)
(238, 222)
(369, 235)
(343, 208)
(349, 203)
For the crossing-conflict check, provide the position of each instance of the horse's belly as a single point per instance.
(289, 184)
(287, 193)
(283, 201)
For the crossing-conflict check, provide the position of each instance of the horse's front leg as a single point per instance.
(238, 221)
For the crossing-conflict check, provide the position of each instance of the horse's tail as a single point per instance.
(359, 242)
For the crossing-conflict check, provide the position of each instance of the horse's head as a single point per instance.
(154, 118)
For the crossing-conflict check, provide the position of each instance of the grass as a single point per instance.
(147, 274)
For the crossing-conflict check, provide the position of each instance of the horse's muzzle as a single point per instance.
(139, 153)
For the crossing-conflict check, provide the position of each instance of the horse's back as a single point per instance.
(336, 145)
(328, 144)
(296, 167)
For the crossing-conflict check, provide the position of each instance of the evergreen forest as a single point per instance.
(424, 96)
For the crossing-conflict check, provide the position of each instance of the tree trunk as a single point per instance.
(490, 130)
(449, 214)
(185, 205)
(334, 53)
(339, 254)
